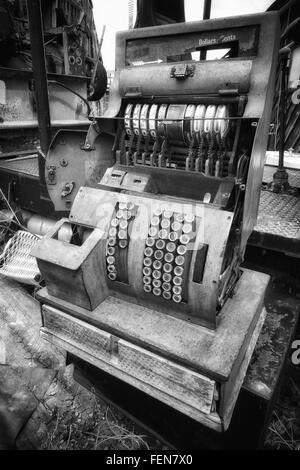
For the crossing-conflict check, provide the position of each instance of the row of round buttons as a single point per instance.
(165, 254)
(118, 236)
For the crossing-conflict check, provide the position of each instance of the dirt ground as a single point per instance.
(284, 429)
(41, 407)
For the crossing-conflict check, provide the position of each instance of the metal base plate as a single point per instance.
(294, 176)
(279, 214)
(278, 223)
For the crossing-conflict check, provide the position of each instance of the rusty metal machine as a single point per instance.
(149, 288)
(50, 71)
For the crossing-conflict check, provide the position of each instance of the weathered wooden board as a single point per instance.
(135, 363)
(20, 322)
(212, 353)
(231, 389)
(213, 420)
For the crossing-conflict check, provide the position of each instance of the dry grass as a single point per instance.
(101, 429)
(284, 430)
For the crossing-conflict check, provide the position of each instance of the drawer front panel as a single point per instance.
(139, 364)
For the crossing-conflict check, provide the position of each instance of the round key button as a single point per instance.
(167, 214)
(157, 265)
(149, 252)
(114, 223)
(153, 231)
(159, 255)
(122, 235)
(123, 225)
(177, 281)
(110, 251)
(185, 239)
(167, 295)
(111, 242)
(160, 244)
(173, 237)
(113, 232)
(178, 271)
(147, 272)
(157, 292)
(177, 290)
(187, 228)
(180, 260)
(147, 262)
(167, 286)
(157, 284)
(123, 244)
(167, 277)
(176, 226)
(168, 268)
(165, 224)
(155, 221)
(179, 218)
(171, 247)
(150, 242)
(181, 250)
(156, 275)
(163, 234)
(169, 258)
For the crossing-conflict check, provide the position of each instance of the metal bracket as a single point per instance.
(182, 71)
(51, 173)
(68, 189)
(92, 135)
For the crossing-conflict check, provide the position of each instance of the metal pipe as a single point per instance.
(206, 16)
(284, 72)
(282, 9)
(131, 14)
(38, 225)
(207, 9)
(8, 126)
(39, 71)
(40, 86)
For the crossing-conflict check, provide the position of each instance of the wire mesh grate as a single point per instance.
(16, 261)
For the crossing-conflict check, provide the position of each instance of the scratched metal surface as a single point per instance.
(26, 165)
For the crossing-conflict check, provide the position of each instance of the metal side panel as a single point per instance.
(69, 166)
(209, 77)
